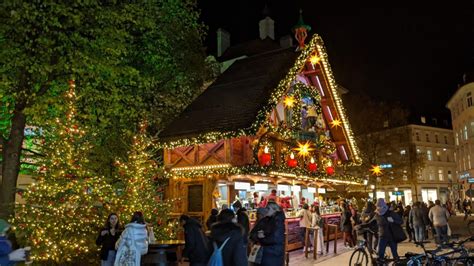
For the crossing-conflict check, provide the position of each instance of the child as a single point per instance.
(7, 256)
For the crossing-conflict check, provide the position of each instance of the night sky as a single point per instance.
(415, 54)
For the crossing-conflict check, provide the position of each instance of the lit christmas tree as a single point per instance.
(66, 205)
(139, 192)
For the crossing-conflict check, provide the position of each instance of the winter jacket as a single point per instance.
(368, 220)
(416, 217)
(274, 241)
(439, 215)
(5, 249)
(134, 239)
(233, 253)
(305, 221)
(243, 220)
(212, 219)
(107, 242)
(197, 247)
(346, 224)
(383, 224)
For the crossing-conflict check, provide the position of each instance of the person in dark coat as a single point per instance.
(370, 222)
(233, 253)
(212, 218)
(196, 248)
(269, 232)
(107, 238)
(346, 225)
(243, 220)
(384, 217)
(408, 228)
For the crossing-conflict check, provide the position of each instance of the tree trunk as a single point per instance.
(11, 152)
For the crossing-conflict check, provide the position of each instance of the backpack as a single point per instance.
(216, 257)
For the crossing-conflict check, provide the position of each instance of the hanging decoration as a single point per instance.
(264, 158)
(312, 166)
(304, 149)
(301, 31)
(336, 123)
(292, 162)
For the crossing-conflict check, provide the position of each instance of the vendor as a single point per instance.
(285, 201)
(272, 197)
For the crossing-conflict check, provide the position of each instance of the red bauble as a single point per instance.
(265, 159)
(312, 167)
(292, 163)
(330, 170)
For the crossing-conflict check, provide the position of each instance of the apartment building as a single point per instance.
(462, 115)
(426, 153)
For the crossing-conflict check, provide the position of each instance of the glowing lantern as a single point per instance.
(289, 101)
(265, 158)
(330, 170)
(312, 166)
(292, 161)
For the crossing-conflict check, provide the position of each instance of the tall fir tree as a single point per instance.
(66, 205)
(138, 176)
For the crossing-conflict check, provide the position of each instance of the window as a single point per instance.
(446, 139)
(436, 138)
(447, 158)
(418, 150)
(469, 99)
(417, 135)
(423, 120)
(465, 133)
(403, 152)
(429, 155)
(440, 175)
(435, 121)
(457, 139)
(450, 176)
(427, 137)
(438, 155)
(468, 161)
(431, 176)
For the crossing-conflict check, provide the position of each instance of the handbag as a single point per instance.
(256, 254)
(398, 234)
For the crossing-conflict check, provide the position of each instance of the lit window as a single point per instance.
(438, 155)
(469, 161)
(440, 175)
(418, 151)
(465, 133)
(389, 153)
(423, 120)
(403, 152)
(450, 176)
(457, 139)
(429, 155)
(431, 176)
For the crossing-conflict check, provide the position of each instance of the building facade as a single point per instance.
(423, 158)
(462, 114)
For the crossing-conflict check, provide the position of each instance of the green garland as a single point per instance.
(259, 170)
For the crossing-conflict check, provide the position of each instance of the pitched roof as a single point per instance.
(232, 102)
(250, 48)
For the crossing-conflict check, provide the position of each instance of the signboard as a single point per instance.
(470, 180)
(283, 188)
(321, 190)
(386, 165)
(242, 186)
(397, 193)
(295, 188)
(464, 175)
(195, 198)
(261, 187)
(311, 190)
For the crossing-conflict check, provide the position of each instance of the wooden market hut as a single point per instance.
(256, 122)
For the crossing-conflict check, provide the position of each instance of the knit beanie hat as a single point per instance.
(381, 206)
(4, 226)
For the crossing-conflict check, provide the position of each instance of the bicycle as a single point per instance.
(433, 258)
(360, 256)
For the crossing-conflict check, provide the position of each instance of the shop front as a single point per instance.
(286, 131)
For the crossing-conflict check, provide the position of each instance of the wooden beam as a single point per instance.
(183, 156)
(212, 152)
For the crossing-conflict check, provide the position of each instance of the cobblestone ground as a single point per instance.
(297, 258)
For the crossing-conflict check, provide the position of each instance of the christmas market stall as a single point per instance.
(273, 121)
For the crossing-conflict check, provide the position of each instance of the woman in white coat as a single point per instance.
(133, 242)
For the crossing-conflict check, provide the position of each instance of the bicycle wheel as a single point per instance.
(359, 258)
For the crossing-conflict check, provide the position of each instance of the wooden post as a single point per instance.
(315, 245)
(306, 239)
(329, 226)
